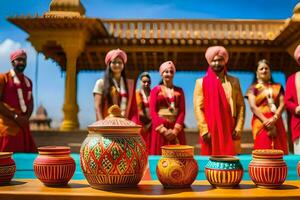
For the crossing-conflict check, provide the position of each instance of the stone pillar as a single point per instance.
(70, 107)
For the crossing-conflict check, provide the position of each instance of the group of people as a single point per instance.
(218, 105)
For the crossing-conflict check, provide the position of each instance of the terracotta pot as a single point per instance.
(7, 167)
(268, 169)
(298, 168)
(114, 154)
(54, 165)
(224, 171)
(177, 167)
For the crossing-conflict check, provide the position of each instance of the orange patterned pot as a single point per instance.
(298, 168)
(224, 171)
(114, 154)
(7, 167)
(177, 167)
(54, 165)
(268, 169)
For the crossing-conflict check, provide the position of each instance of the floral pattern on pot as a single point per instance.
(114, 154)
(177, 167)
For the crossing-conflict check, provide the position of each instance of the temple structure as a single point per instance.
(40, 120)
(76, 43)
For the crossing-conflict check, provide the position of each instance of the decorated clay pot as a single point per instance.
(298, 168)
(177, 167)
(224, 171)
(7, 167)
(54, 165)
(114, 154)
(268, 169)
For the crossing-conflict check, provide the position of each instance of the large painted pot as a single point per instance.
(7, 167)
(224, 171)
(177, 167)
(114, 154)
(268, 169)
(54, 166)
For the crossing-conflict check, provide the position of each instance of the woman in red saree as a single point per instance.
(266, 101)
(167, 109)
(142, 99)
(115, 88)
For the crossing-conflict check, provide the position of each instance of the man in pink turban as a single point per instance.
(16, 106)
(292, 103)
(219, 106)
(167, 111)
(115, 88)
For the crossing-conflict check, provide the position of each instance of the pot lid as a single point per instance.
(5, 154)
(114, 121)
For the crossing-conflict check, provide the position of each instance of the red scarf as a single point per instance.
(218, 117)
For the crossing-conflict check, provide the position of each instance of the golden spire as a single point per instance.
(65, 8)
(296, 15)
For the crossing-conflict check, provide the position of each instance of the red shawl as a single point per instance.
(218, 117)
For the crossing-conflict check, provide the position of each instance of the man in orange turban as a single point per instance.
(16, 106)
(219, 106)
(292, 103)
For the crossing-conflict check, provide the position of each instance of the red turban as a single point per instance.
(166, 65)
(20, 53)
(213, 51)
(112, 54)
(297, 54)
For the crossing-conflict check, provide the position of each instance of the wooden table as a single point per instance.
(79, 189)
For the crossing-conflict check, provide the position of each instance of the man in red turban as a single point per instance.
(219, 106)
(292, 103)
(16, 106)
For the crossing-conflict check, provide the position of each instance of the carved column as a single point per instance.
(70, 107)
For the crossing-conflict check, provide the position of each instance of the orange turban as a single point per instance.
(112, 54)
(297, 54)
(20, 53)
(213, 51)
(166, 65)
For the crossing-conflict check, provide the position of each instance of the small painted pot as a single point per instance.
(224, 171)
(177, 167)
(268, 169)
(54, 166)
(7, 167)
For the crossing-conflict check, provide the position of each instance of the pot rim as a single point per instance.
(223, 158)
(6, 154)
(54, 150)
(176, 147)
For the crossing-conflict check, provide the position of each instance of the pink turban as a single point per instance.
(297, 54)
(112, 54)
(20, 53)
(165, 66)
(213, 51)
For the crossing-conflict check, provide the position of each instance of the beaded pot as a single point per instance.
(267, 168)
(224, 171)
(114, 154)
(177, 167)
(54, 165)
(7, 167)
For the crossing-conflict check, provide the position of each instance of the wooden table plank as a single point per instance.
(32, 189)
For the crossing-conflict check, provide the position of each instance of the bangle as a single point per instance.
(16, 116)
(275, 116)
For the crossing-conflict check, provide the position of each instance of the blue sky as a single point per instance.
(50, 82)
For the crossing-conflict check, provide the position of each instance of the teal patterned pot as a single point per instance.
(224, 171)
